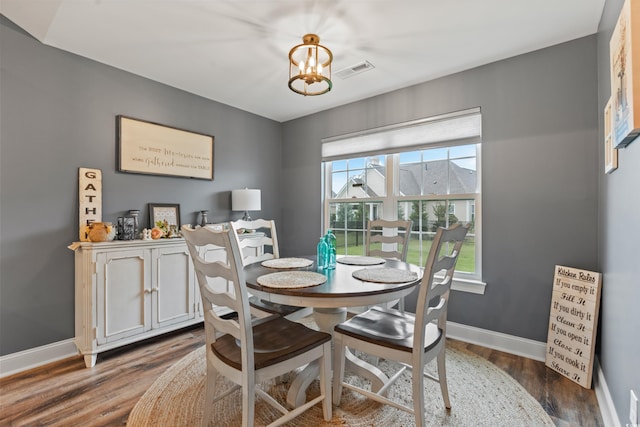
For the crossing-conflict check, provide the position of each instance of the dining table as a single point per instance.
(356, 281)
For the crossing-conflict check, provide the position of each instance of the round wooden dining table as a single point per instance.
(330, 302)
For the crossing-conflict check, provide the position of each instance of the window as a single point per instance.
(433, 183)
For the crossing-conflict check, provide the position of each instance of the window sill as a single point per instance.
(471, 286)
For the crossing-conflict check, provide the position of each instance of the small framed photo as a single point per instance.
(161, 212)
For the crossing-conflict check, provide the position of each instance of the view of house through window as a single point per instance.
(432, 187)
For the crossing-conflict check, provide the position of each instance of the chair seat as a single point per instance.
(274, 341)
(388, 328)
(272, 307)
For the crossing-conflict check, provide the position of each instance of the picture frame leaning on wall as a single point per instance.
(169, 212)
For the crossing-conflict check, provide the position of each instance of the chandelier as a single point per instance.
(310, 67)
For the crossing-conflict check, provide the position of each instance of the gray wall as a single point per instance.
(542, 170)
(58, 114)
(618, 248)
(539, 174)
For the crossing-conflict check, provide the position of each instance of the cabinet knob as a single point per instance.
(147, 291)
(154, 289)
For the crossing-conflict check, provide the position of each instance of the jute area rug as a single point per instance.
(481, 395)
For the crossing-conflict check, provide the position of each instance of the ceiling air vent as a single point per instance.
(355, 69)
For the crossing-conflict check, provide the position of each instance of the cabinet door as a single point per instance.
(173, 297)
(123, 305)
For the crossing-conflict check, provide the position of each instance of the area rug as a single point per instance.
(481, 395)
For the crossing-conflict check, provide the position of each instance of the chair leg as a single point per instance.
(442, 378)
(210, 394)
(248, 401)
(338, 368)
(417, 381)
(325, 380)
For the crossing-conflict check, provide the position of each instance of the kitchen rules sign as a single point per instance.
(573, 321)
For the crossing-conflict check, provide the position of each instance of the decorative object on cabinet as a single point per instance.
(90, 200)
(101, 232)
(246, 200)
(135, 214)
(204, 220)
(165, 217)
(126, 225)
(624, 50)
(154, 149)
(610, 153)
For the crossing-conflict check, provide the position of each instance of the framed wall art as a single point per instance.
(624, 50)
(154, 149)
(610, 153)
(160, 212)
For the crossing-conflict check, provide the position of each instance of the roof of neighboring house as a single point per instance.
(434, 175)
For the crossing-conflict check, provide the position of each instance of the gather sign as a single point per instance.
(573, 322)
(90, 199)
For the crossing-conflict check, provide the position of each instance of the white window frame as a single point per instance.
(347, 146)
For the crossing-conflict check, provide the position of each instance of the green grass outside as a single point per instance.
(466, 259)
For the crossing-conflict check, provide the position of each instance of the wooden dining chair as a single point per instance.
(411, 340)
(250, 352)
(388, 239)
(258, 249)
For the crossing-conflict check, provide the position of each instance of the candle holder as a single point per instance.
(134, 213)
(204, 220)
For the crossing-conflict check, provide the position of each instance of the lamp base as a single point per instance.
(246, 216)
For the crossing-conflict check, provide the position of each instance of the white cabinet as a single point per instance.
(126, 291)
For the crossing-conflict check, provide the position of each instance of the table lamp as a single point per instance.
(246, 200)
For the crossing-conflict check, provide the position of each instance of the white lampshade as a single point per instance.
(246, 200)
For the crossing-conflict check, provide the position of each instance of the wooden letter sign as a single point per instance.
(90, 199)
(573, 322)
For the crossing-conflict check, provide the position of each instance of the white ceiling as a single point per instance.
(236, 51)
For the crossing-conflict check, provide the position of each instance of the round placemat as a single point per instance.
(287, 263)
(292, 279)
(360, 260)
(385, 275)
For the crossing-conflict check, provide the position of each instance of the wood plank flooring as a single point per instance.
(66, 393)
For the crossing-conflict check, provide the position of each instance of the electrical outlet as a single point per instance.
(633, 409)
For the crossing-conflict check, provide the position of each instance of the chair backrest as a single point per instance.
(388, 239)
(236, 298)
(254, 249)
(433, 296)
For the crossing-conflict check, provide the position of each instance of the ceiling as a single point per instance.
(236, 51)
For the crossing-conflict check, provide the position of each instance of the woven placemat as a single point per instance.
(360, 260)
(287, 263)
(385, 275)
(292, 279)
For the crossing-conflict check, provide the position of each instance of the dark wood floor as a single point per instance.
(68, 394)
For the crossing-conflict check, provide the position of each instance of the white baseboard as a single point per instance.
(498, 341)
(607, 409)
(34, 357)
